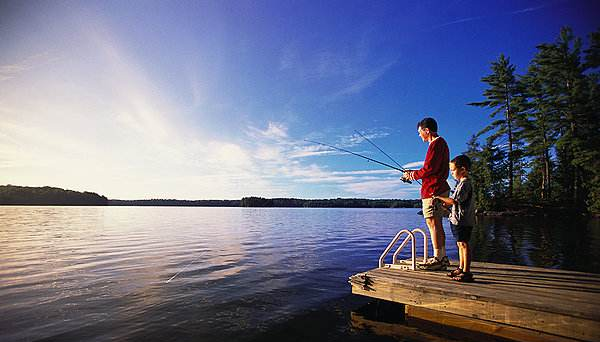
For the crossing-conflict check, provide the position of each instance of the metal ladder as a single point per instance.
(404, 264)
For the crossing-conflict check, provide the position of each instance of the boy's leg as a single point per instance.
(461, 255)
(467, 257)
(463, 235)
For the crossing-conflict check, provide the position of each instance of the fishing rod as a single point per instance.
(387, 155)
(360, 155)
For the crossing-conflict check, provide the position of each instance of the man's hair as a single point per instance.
(428, 123)
(462, 161)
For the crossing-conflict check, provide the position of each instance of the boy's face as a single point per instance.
(456, 172)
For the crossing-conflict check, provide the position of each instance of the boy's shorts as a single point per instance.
(461, 233)
(435, 208)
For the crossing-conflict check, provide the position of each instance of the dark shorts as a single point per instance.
(461, 233)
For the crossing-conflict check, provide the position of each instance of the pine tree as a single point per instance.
(503, 96)
(539, 133)
(486, 173)
(565, 89)
(592, 65)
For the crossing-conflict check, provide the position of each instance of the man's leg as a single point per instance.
(438, 236)
(441, 236)
(431, 224)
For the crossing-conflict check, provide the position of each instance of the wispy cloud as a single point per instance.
(359, 84)
(355, 139)
(458, 21)
(281, 157)
(414, 165)
(10, 71)
(347, 67)
(531, 9)
(386, 188)
(474, 18)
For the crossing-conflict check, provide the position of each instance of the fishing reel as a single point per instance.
(405, 180)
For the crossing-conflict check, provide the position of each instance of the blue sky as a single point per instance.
(214, 99)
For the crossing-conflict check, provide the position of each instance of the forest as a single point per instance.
(542, 147)
(27, 195)
(329, 203)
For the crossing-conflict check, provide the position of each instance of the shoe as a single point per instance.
(434, 264)
(454, 273)
(465, 277)
(445, 261)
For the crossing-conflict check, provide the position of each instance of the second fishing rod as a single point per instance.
(399, 167)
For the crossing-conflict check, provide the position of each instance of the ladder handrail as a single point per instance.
(413, 250)
(419, 230)
(410, 236)
(395, 255)
(391, 244)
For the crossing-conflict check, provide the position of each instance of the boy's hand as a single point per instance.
(406, 177)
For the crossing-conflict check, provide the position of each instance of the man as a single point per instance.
(434, 174)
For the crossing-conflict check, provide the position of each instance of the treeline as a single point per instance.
(175, 203)
(328, 203)
(543, 146)
(25, 195)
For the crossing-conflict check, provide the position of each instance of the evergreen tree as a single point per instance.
(504, 97)
(565, 88)
(539, 133)
(592, 65)
(486, 173)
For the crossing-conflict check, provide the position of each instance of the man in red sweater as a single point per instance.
(434, 174)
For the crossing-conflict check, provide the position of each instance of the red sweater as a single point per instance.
(435, 169)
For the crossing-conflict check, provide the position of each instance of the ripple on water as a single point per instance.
(99, 273)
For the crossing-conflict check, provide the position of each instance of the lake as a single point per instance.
(215, 274)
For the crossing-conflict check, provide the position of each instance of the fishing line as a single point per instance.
(387, 155)
(183, 269)
(356, 154)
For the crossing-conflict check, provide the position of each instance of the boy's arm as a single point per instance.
(446, 200)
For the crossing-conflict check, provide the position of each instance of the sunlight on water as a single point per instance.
(94, 273)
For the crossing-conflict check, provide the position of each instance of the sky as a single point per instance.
(216, 99)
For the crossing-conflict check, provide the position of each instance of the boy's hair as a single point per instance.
(428, 123)
(462, 161)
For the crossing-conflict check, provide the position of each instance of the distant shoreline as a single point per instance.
(51, 196)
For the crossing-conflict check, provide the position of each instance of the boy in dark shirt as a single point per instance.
(462, 216)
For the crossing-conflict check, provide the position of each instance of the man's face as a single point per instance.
(423, 133)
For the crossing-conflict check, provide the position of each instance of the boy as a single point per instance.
(462, 216)
(434, 174)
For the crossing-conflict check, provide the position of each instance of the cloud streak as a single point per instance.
(10, 71)
(361, 83)
(285, 159)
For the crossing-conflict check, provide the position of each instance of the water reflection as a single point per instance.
(100, 273)
(558, 242)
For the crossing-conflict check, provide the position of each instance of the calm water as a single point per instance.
(102, 273)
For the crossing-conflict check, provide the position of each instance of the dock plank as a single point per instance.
(563, 303)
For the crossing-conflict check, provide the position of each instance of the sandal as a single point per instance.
(454, 273)
(465, 277)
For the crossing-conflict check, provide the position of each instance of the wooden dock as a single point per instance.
(515, 302)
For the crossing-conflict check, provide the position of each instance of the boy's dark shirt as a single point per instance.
(463, 212)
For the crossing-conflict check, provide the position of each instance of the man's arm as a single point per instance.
(433, 162)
